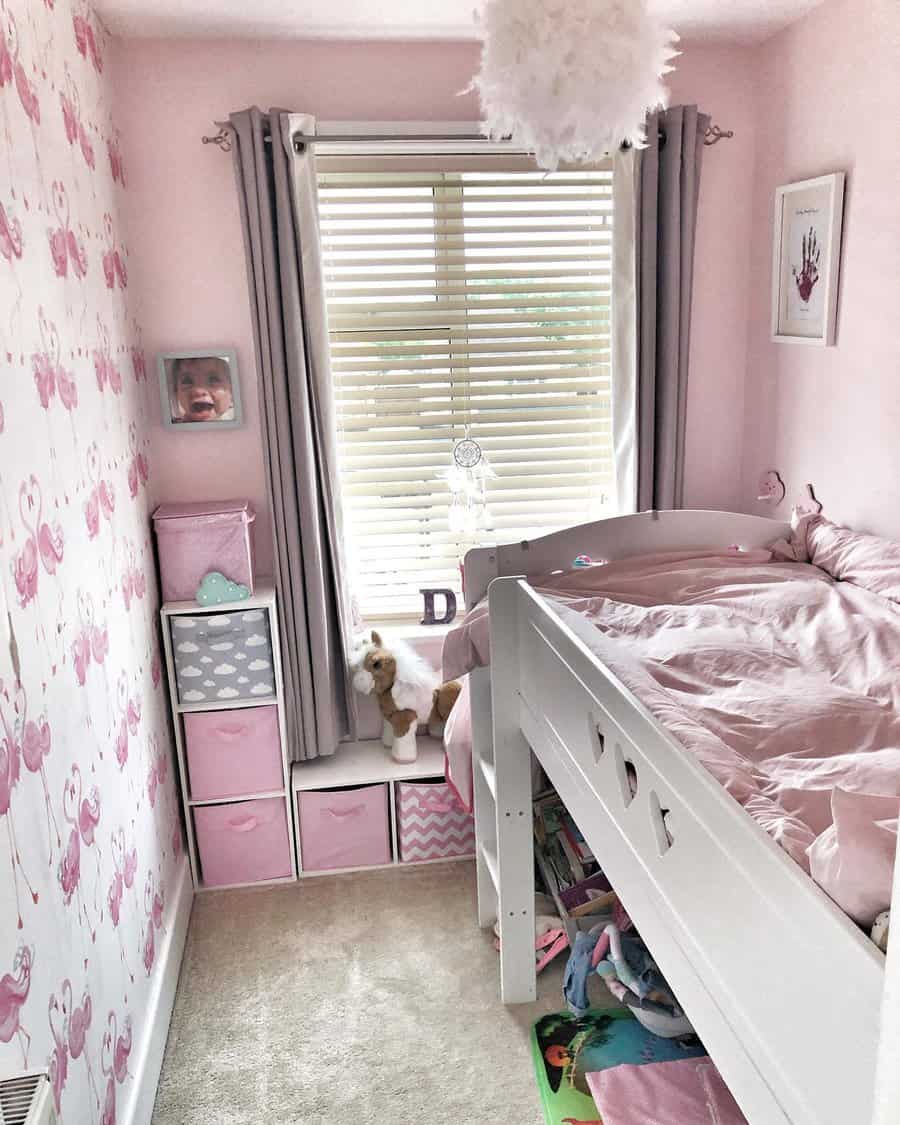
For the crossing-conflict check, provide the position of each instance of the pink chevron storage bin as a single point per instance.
(243, 842)
(344, 828)
(193, 539)
(233, 753)
(431, 823)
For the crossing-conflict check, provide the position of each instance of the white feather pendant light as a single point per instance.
(570, 80)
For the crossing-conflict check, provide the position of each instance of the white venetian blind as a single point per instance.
(466, 296)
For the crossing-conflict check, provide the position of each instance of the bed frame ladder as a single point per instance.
(501, 763)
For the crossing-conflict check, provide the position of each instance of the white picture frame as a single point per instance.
(806, 253)
(213, 364)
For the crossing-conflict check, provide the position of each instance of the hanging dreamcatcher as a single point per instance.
(467, 477)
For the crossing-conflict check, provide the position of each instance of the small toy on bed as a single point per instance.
(881, 930)
(408, 690)
(586, 560)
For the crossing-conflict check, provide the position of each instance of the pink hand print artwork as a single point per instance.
(806, 277)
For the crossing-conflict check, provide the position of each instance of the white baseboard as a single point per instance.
(139, 1108)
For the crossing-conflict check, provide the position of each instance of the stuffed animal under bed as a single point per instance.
(408, 690)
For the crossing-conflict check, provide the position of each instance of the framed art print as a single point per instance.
(805, 260)
(199, 390)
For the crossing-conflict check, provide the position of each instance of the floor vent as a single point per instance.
(26, 1100)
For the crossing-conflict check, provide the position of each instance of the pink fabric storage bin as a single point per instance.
(432, 824)
(193, 539)
(344, 828)
(243, 842)
(233, 753)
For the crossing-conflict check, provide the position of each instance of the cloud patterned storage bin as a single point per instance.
(223, 657)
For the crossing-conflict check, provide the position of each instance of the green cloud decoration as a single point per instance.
(216, 589)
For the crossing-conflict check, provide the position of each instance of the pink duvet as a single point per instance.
(784, 682)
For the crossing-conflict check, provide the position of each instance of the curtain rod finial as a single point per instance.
(714, 134)
(222, 138)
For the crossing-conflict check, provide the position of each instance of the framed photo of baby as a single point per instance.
(200, 390)
(805, 260)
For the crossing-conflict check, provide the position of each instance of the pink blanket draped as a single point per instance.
(784, 682)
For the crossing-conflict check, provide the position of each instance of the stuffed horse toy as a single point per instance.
(408, 690)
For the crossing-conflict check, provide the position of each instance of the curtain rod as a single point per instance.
(712, 136)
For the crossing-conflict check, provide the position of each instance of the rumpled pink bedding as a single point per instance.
(783, 682)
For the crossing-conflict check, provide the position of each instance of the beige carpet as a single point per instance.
(352, 1000)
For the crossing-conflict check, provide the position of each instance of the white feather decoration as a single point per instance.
(570, 80)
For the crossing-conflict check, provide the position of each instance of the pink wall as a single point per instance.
(186, 243)
(827, 91)
(86, 778)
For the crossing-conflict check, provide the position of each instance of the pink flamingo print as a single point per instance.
(134, 582)
(6, 63)
(10, 753)
(70, 865)
(10, 236)
(70, 104)
(116, 1048)
(28, 98)
(124, 864)
(85, 39)
(122, 736)
(11, 246)
(154, 904)
(91, 643)
(71, 111)
(88, 817)
(113, 266)
(59, 1053)
(14, 989)
(108, 1116)
(33, 739)
(139, 364)
(24, 87)
(44, 542)
(159, 768)
(138, 471)
(78, 1022)
(65, 247)
(105, 367)
(25, 562)
(51, 377)
(116, 164)
(101, 496)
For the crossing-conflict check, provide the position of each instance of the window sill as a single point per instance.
(411, 630)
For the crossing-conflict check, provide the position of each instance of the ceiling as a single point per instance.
(736, 21)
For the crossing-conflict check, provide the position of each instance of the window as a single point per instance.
(467, 296)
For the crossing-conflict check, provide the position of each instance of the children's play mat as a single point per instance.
(567, 1047)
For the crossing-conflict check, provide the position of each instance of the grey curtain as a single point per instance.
(277, 195)
(666, 219)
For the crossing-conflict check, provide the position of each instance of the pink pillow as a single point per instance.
(666, 1093)
(853, 860)
(851, 556)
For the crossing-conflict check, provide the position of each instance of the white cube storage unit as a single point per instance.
(360, 809)
(226, 688)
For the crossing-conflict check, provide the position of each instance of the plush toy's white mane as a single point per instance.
(415, 679)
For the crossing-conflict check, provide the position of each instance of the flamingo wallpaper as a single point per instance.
(90, 836)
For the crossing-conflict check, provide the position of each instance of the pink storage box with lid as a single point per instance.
(193, 539)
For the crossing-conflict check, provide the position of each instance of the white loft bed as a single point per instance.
(783, 989)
